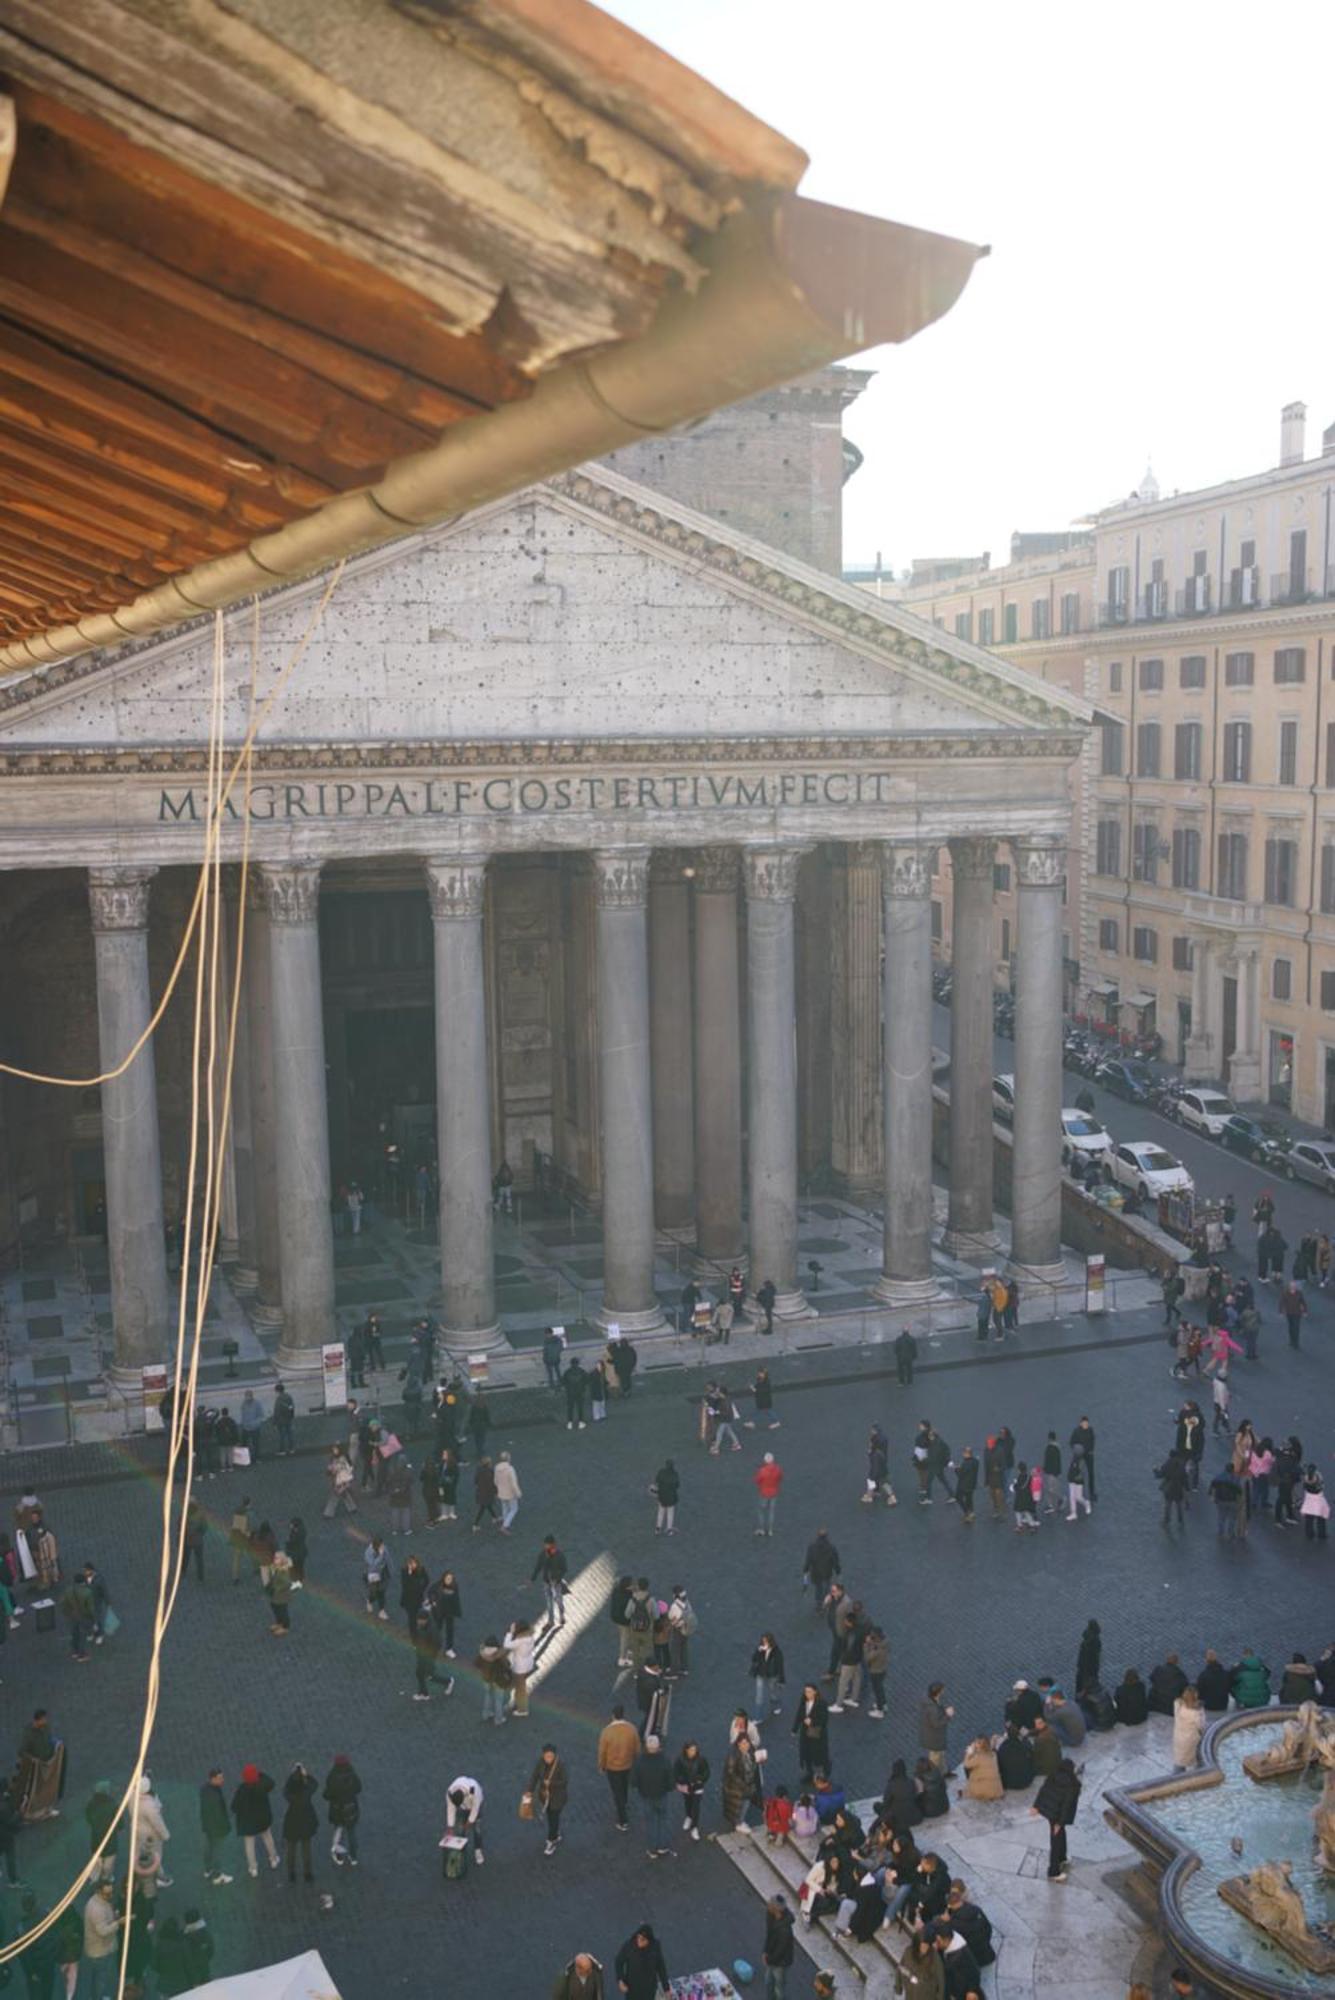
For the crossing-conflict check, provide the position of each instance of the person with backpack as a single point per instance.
(682, 1627)
(639, 1633)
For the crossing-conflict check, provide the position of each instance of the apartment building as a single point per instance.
(1202, 887)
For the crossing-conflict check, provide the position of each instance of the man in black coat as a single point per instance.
(822, 1564)
(1083, 1437)
(906, 1353)
(1024, 1705)
(641, 1968)
(780, 1949)
(1214, 1684)
(973, 1925)
(1167, 1681)
(964, 1981)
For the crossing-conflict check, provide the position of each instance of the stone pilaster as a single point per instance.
(621, 879)
(1036, 1202)
(131, 1144)
(771, 890)
(267, 1309)
(301, 1116)
(906, 1012)
(855, 1042)
(671, 1039)
(456, 885)
(970, 1231)
(718, 1057)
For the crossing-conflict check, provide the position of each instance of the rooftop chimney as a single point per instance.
(1292, 423)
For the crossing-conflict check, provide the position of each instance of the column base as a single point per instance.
(907, 1291)
(245, 1282)
(1244, 1078)
(266, 1315)
(790, 1305)
(971, 1246)
(1046, 1274)
(299, 1360)
(1198, 1064)
(459, 1342)
(228, 1250)
(648, 1320)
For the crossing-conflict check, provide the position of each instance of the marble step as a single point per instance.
(780, 1869)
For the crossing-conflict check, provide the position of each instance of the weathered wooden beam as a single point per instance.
(50, 471)
(83, 169)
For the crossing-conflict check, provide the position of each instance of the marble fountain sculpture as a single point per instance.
(1242, 1850)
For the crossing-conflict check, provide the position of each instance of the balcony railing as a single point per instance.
(1291, 586)
(1116, 611)
(1194, 597)
(1154, 601)
(1244, 588)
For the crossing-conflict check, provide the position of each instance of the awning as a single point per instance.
(304, 1978)
(1140, 1000)
(1103, 987)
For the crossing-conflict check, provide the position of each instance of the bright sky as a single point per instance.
(1154, 181)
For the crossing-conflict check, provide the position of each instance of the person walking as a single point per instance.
(767, 1480)
(340, 1478)
(215, 1823)
(509, 1493)
(582, 1979)
(552, 1569)
(521, 1651)
(875, 1661)
(653, 1782)
(253, 1816)
(285, 1419)
(767, 1676)
(1172, 1476)
(690, 1775)
(1077, 1474)
(618, 1747)
(484, 1492)
(413, 1586)
(576, 1385)
(399, 1492)
(878, 1470)
(666, 1490)
(445, 1606)
(811, 1727)
(726, 1419)
(780, 1949)
(641, 1968)
(763, 1390)
(1221, 1400)
(1082, 1438)
(342, 1796)
(300, 1821)
(934, 1719)
(848, 1677)
(1057, 1802)
(820, 1566)
(378, 1570)
(906, 1355)
(549, 1788)
(994, 1477)
(1293, 1305)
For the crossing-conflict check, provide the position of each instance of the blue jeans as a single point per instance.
(345, 1839)
(762, 1703)
(509, 1508)
(655, 1819)
(493, 1702)
(776, 1982)
(765, 1516)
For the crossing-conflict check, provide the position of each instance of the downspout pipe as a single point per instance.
(792, 285)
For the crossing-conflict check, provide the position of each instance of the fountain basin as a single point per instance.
(1183, 1825)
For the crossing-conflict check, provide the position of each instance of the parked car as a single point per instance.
(1083, 1134)
(1256, 1140)
(1312, 1160)
(1148, 1169)
(1125, 1079)
(1205, 1111)
(1003, 1099)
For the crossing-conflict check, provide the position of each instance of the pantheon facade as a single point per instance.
(587, 831)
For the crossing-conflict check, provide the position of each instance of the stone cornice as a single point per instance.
(867, 624)
(549, 753)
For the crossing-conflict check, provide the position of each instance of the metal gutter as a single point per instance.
(792, 285)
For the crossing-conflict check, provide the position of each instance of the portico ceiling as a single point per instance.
(262, 260)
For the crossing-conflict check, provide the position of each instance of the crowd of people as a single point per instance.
(435, 1467)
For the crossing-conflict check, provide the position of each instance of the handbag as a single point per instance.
(240, 1454)
(111, 1623)
(526, 1806)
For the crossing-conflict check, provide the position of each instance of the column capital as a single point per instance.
(716, 870)
(456, 884)
(118, 898)
(621, 877)
(973, 855)
(906, 870)
(1040, 861)
(771, 873)
(670, 867)
(291, 891)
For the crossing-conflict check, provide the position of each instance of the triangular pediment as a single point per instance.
(585, 608)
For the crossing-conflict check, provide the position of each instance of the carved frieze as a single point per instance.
(456, 884)
(621, 877)
(118, 898)
(291, 891)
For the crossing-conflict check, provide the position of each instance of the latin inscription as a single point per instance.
(453, 798)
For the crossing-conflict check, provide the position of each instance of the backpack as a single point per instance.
(688, 1624)
(640, 1619)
